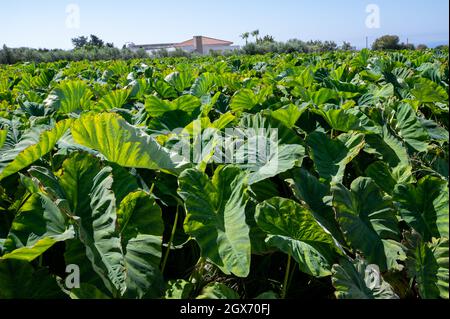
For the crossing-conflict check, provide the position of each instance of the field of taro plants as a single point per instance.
(278, 176)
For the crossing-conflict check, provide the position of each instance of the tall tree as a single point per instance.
(387, 42)
(80, 42)
(267, 38)
(96, 41)
(346, 46)
(255, 34)
(245, 37)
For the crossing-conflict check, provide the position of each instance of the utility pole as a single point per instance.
(367, 42)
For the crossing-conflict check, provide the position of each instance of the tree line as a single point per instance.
(267, 44)
(90, 48)
(93, 48)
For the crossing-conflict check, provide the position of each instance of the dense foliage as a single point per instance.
(93, 48)
(353, 204)
(91, 53)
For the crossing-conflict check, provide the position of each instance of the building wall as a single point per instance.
(206, 48)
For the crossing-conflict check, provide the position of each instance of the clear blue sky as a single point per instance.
(42, 23)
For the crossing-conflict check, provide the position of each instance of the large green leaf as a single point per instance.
(179, 80)
(141, 228)
(171, 121)
(139, 214)
(37, 226)
(137, 227)
(340, 119)
(265, 159)
(32, 153)
(355, 280)
(18, 140)
(428, 264)
(434, 130)
(331, 156)
(288, 115)
(70, 96)
(346, 121)
(47, 182)
(258, 124)
(143, 255)
(29, 253)
(244, 99)
(323, 95)
(310, 191)
(247, 99)
(410, 129)
(263, 146)
(368, 222)
(156, 107)
(97, 231)
(387, 147)
(292, 228)
(164, 89)
(376, 94)
(76, 177)
(114, 99)
(125, 182)
(203, 85)
(216, 217)
(427, 91)
(440, 252)
(425, 206)
(386, 178)
(123, 144)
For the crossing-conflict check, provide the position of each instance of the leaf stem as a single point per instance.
(290, 277)
(286, 278)
(151, 188)
(23, 202)
(51, 162)
(172, 235)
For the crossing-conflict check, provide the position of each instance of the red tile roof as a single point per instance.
(205, 40)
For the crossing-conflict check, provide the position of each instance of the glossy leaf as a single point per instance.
(331, 156)
(216, 217)
(367, 221)
(355, 280)
(32, 153)
(425, 206)
(293, 229)
(38, 225)
(427, 263)
(123, 144)
(156, 107)
(70, 96)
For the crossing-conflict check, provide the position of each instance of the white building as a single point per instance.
(199, 44)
